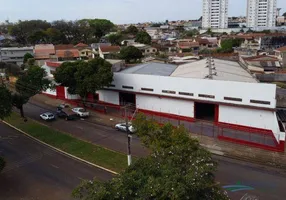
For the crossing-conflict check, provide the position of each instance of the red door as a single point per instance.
(61, 92)
(216, 120)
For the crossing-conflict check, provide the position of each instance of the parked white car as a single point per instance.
(122, 127)
(47, 116)
(81, 112)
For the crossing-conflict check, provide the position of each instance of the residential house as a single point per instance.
(146, 49)
(95, 48)
(185, 47)
(67, 52)
(261, 64)
(14, 54)
(280, 53)
(107, 52)
(85, 52)
(44, 52)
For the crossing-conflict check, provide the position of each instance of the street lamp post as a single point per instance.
(129, 160)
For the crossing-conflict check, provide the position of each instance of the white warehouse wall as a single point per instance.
(219, 89)
(108, 96)
(165, 105)
(249, 117)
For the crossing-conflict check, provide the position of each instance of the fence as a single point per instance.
(247, 137)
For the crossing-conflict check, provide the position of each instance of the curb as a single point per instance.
(60, 151)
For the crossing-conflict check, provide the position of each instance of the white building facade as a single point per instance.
(261, 13)
(215, 14)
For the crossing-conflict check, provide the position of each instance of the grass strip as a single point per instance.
(95, 154)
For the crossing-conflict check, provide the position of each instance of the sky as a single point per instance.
(118, 11)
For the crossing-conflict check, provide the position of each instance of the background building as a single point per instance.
(261, 13)
(215, 14)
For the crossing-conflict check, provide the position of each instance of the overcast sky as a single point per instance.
(118, 11)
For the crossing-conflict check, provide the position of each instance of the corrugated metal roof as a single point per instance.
(158, 69)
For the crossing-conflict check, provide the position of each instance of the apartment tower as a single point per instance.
(215, 14)
(261, 13)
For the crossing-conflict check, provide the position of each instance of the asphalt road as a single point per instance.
(35, 171)
(264, 182)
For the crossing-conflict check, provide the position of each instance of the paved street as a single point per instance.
(265, 183)
(34, 171)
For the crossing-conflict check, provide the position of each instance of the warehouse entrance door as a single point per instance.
(127, 99)
(206, 111)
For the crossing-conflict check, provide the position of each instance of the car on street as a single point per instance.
(81, 112)
(122, 127)
(66, 114)
(47, 116)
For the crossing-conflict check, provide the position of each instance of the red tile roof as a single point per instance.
(186, 45)
(281, 49)
(53, 64)
(67, 53)
(81, 45)
(107, 49)
(64, 47)
(43, 51)
(260, 58)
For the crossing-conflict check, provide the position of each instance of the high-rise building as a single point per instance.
(215, 14)
(261, 13)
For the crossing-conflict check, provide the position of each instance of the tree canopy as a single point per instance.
(228, 44)
(177, 168)
(5, 102)
(143, 37)
(27, 56)
(130, 54)
(132, 30)
(115, 39)
(284, 14)
(83, 77)
(30, 83)
(58, 32)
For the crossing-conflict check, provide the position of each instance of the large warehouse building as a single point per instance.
(224, 95)
(233, 97)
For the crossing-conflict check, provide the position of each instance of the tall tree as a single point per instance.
(27, 56)
(143, 37)
(132, 30)
(32, 82)
(130, 54)
(115, 39)
(177, 168)
(284, 14)
(5, 102)
(83, 77)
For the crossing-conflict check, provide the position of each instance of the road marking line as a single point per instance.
(54, 166)
(60, 151)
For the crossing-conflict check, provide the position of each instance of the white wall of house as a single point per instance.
(107, 96)
(48, 70)
(71, 96)
(52, 92)
(249, 117)
(165, 105)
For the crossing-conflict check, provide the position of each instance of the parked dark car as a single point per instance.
(66, 114)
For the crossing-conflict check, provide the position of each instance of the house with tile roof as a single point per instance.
(106, 52)
(280, 53)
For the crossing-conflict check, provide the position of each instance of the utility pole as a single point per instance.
(128, 138)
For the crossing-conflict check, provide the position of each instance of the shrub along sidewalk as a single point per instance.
(95, 154)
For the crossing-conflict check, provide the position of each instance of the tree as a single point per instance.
(228, 44)
(143, 37)
(115, 39)
(32, 82)
(27, 56)
(177, 168)
(284, 14)
(5, 102)
(132, 30)
(83, 77)
(130, 53)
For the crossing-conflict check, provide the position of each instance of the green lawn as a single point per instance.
(87, 151)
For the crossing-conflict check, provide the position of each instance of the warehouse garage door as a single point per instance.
(127, 98)
(206, 111)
